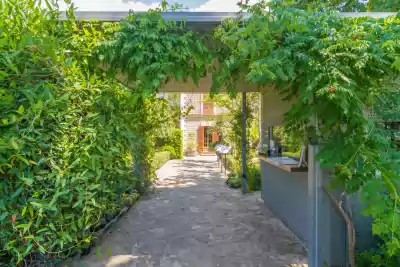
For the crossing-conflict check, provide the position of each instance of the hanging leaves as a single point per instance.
(150, 51)
(337, 68)
(69, 135)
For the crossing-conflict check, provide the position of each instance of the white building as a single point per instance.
(196, 123)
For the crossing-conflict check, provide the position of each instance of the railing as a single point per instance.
(221, 152)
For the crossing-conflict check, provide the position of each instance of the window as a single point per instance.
(208, 108)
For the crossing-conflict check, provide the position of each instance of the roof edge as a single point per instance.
(197, 16)
(178, 15)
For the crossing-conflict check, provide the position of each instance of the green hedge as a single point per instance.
(67, 136)
(177, 143)
(160, 158)
(171, 150)
(175, 140)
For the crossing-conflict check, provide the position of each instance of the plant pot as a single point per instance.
(191, 153)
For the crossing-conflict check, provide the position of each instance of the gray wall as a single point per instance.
(286, 195)
(363, 225)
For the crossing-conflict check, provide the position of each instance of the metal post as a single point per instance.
(314, 202)
(220, 158)
(225, 165)
(244, 143)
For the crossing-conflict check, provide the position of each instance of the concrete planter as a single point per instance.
(191, 153)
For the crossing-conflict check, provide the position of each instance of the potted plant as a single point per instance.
(191, 148)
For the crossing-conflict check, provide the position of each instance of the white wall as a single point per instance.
(191, 125)
(192, 100)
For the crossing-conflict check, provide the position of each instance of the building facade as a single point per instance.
(198, 124)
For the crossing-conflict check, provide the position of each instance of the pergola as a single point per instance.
(273, 109)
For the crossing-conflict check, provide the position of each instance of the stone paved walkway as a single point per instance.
(193, 219)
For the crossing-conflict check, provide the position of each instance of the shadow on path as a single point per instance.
(193, 219)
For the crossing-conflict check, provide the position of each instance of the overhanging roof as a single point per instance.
(196, 17)
(177, 16)
(203, 21)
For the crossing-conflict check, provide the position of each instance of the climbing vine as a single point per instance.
(150, 51)
(339, 70)
(75, 145)
(69, 134)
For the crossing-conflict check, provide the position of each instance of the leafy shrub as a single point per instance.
(160, 158)
(177, 143)
(234, 180)
(375, 258)
(213, 145)
(171, 150)
(355, 146)
(191, 145)
(295, 155)
(254, 177)
(174, 140)
(67, 135)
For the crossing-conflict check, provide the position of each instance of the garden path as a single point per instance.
(194, 219)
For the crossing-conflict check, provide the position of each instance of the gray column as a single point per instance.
(314, 207)
(244, 143)
(264, 129)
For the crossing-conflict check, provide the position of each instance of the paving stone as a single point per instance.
(193, 219)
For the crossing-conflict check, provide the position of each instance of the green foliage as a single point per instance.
(171, 150)
(174, 140)
(230, 125)
(177, 143)
(213, 145)
(151, 51)
(174, 100)
(384, 5)
(69, 136)
(234, 180)
(292, 154)
(160, 158)
(191, 145)
(375, 258)
(163, 113)
(253, 178)
(337, 68)
(346, 5)
(287, 139)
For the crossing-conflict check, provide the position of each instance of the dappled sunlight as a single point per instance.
(194, 219)
(176, 185)
(118, 260)
(175, 182)
(299, 265)
(123, 260)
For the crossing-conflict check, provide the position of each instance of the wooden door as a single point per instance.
(200, 139)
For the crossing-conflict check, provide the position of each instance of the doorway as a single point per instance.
(208, 138)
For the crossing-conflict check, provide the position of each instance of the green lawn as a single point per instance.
(160, 158)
